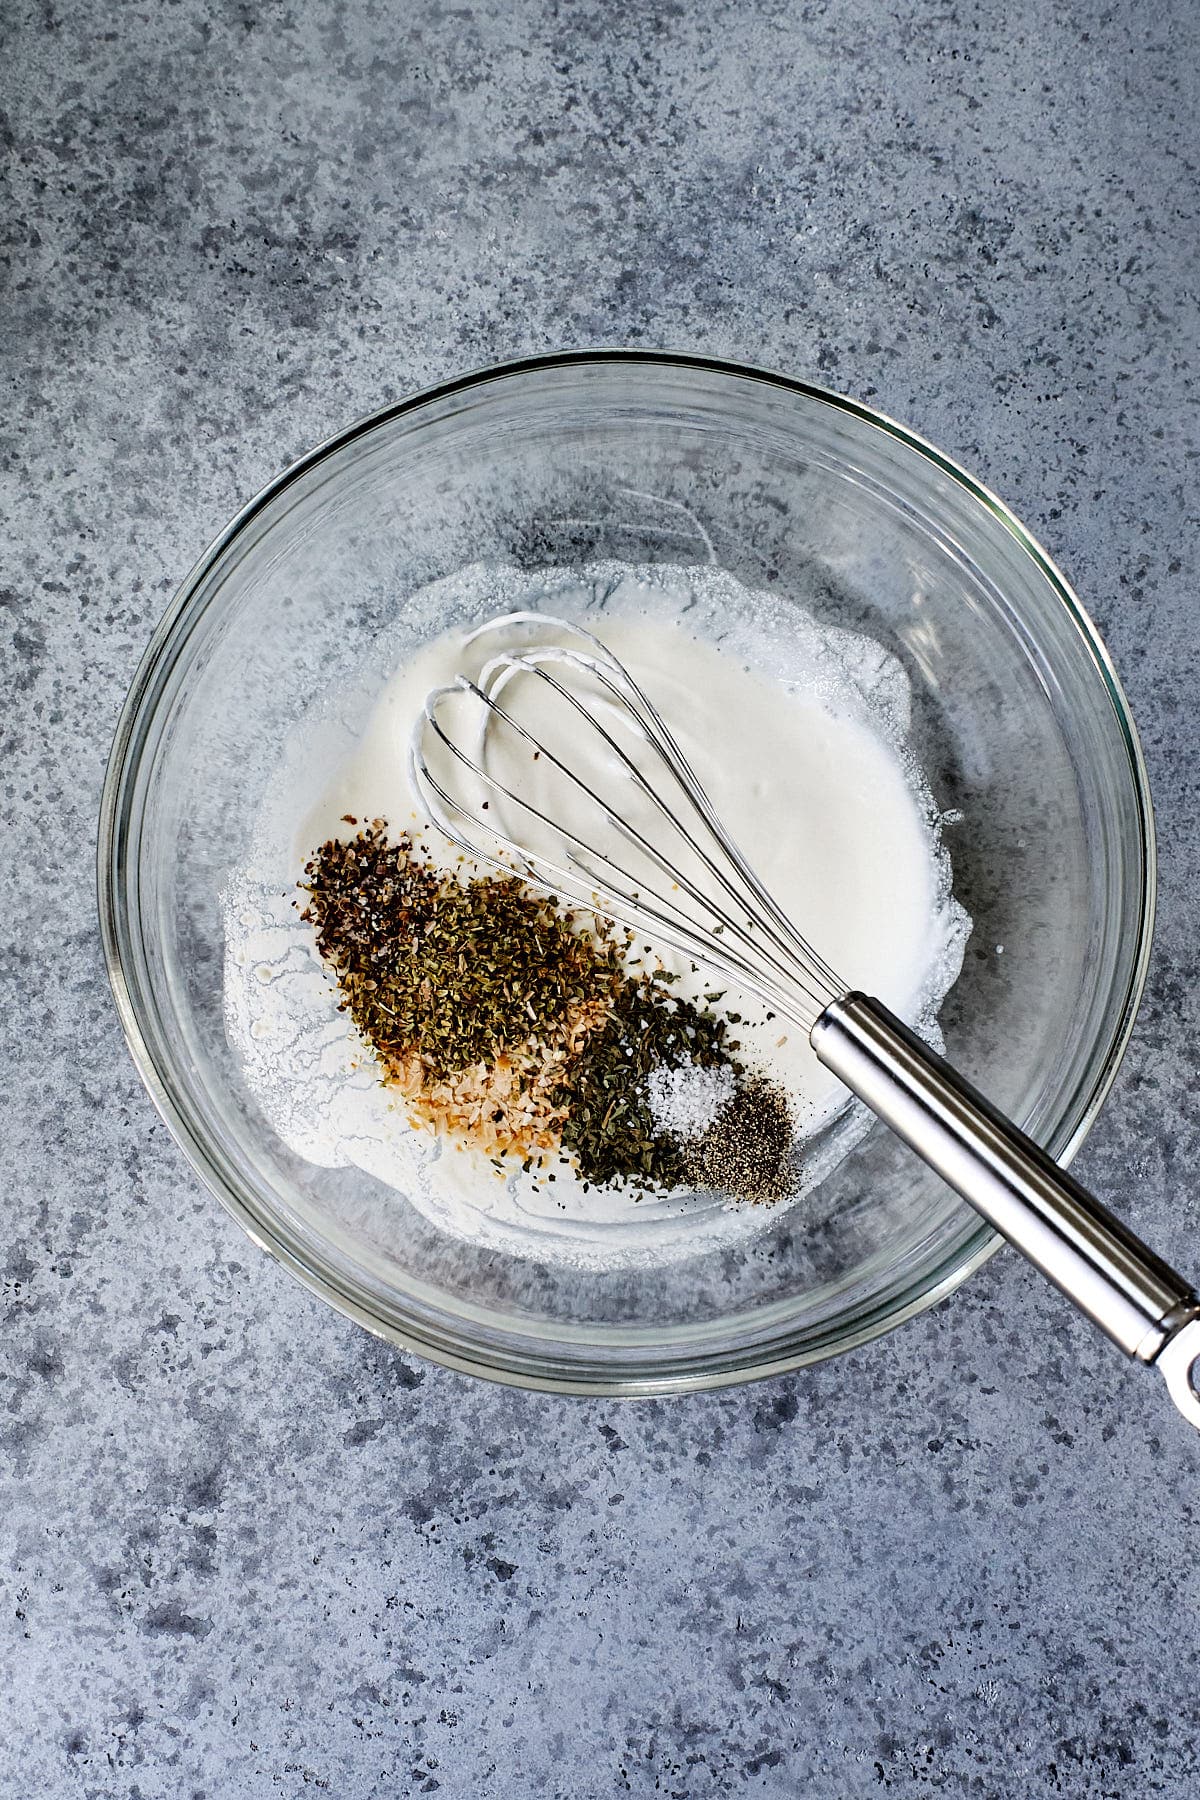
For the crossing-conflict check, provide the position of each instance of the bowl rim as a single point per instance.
(976, 1248)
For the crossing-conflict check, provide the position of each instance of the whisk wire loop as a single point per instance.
(734, 926)
(511, 663)
(635, 906)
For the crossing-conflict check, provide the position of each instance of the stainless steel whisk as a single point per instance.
(678, 876)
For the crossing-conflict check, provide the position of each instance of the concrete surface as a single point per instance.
(245, 1550)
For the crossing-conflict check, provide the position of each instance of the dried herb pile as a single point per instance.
(508, 1021)
(459, 971)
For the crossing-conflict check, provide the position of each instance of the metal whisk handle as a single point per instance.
(1143, 1305)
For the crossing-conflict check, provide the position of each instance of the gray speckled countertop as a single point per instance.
(244, 1548)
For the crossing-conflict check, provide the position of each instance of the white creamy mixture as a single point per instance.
(797, 734)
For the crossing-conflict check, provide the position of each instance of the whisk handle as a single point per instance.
(1143, 1305)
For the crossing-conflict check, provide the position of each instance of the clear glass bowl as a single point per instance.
(1019, 722)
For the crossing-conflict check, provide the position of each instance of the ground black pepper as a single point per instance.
(747, 1151)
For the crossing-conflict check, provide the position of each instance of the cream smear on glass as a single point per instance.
(797, 732)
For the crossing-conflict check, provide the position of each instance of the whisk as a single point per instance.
(616, 821)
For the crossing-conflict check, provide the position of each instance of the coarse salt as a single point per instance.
(685, 1101)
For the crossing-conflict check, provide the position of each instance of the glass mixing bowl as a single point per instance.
(1019, 723)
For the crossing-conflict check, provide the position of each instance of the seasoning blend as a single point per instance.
(520, 1029)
